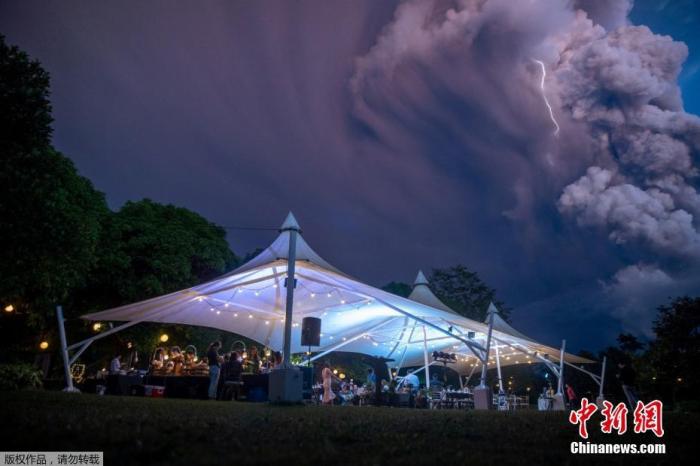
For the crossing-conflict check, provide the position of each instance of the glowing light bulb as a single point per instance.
(164, 337)
(9, 308)
(43, 345)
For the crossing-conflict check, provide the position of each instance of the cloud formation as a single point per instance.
(626, 159)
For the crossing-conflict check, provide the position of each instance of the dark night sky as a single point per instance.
(404, 136)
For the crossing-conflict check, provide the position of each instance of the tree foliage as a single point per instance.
(464, 292)
(398, 288)
(673, 357)
(149, 249)
(51, 215)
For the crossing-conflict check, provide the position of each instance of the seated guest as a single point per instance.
(254, 360)
(435, 382)
(346, 395)
(385, 386)
(116, 365)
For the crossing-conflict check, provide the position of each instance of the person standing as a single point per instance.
(627, 377)
(371, 377)
(327, 376)
(214, 368)
(115, 366)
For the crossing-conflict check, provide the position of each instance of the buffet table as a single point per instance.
(181, 386)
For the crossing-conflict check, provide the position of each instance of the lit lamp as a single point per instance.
(164, 337)
(342, 376)
(335, 371)
(9, 308)
(44, 345)
(97, 326)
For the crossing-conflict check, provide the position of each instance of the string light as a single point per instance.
(44, 344)
(164, 337)
(96, 326)
(9, 308)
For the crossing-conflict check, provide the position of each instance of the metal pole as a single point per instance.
(498, 367)
(602, 376)
(466, 382)
(485, 362)
(425, 359)
(560, 384)
(291, 262)
(64, 350)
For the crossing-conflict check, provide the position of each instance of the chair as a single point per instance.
(435, 398)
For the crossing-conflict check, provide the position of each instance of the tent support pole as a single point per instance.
(466, 382)
(560, 382)
(425, 359)
(79, 352)
(485, 361)
(291, 281)
(498, 367)
(64, 350)
(405, 348)
(350, 340)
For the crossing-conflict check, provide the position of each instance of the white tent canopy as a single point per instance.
(356, 317)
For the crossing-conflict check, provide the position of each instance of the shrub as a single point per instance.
(19, 377)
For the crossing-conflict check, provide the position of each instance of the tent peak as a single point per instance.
(492, 309)
(290, 223)
(420, 279)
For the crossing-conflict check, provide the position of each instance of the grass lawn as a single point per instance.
(134, 430)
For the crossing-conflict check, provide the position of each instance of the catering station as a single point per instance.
(292, 302)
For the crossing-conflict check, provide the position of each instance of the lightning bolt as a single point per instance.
(544, 96)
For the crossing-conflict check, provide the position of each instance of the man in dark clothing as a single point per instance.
(627, 377)
(230, 372)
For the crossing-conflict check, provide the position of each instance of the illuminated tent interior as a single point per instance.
(356, 317)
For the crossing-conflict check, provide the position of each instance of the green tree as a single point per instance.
(464, 292)
(398, 288)
(50, 214)
(149, 249)
(673, 357)
(629, 343)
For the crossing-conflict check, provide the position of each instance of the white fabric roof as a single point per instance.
(250, 301)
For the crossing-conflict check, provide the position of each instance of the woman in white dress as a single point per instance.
(327, 375)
